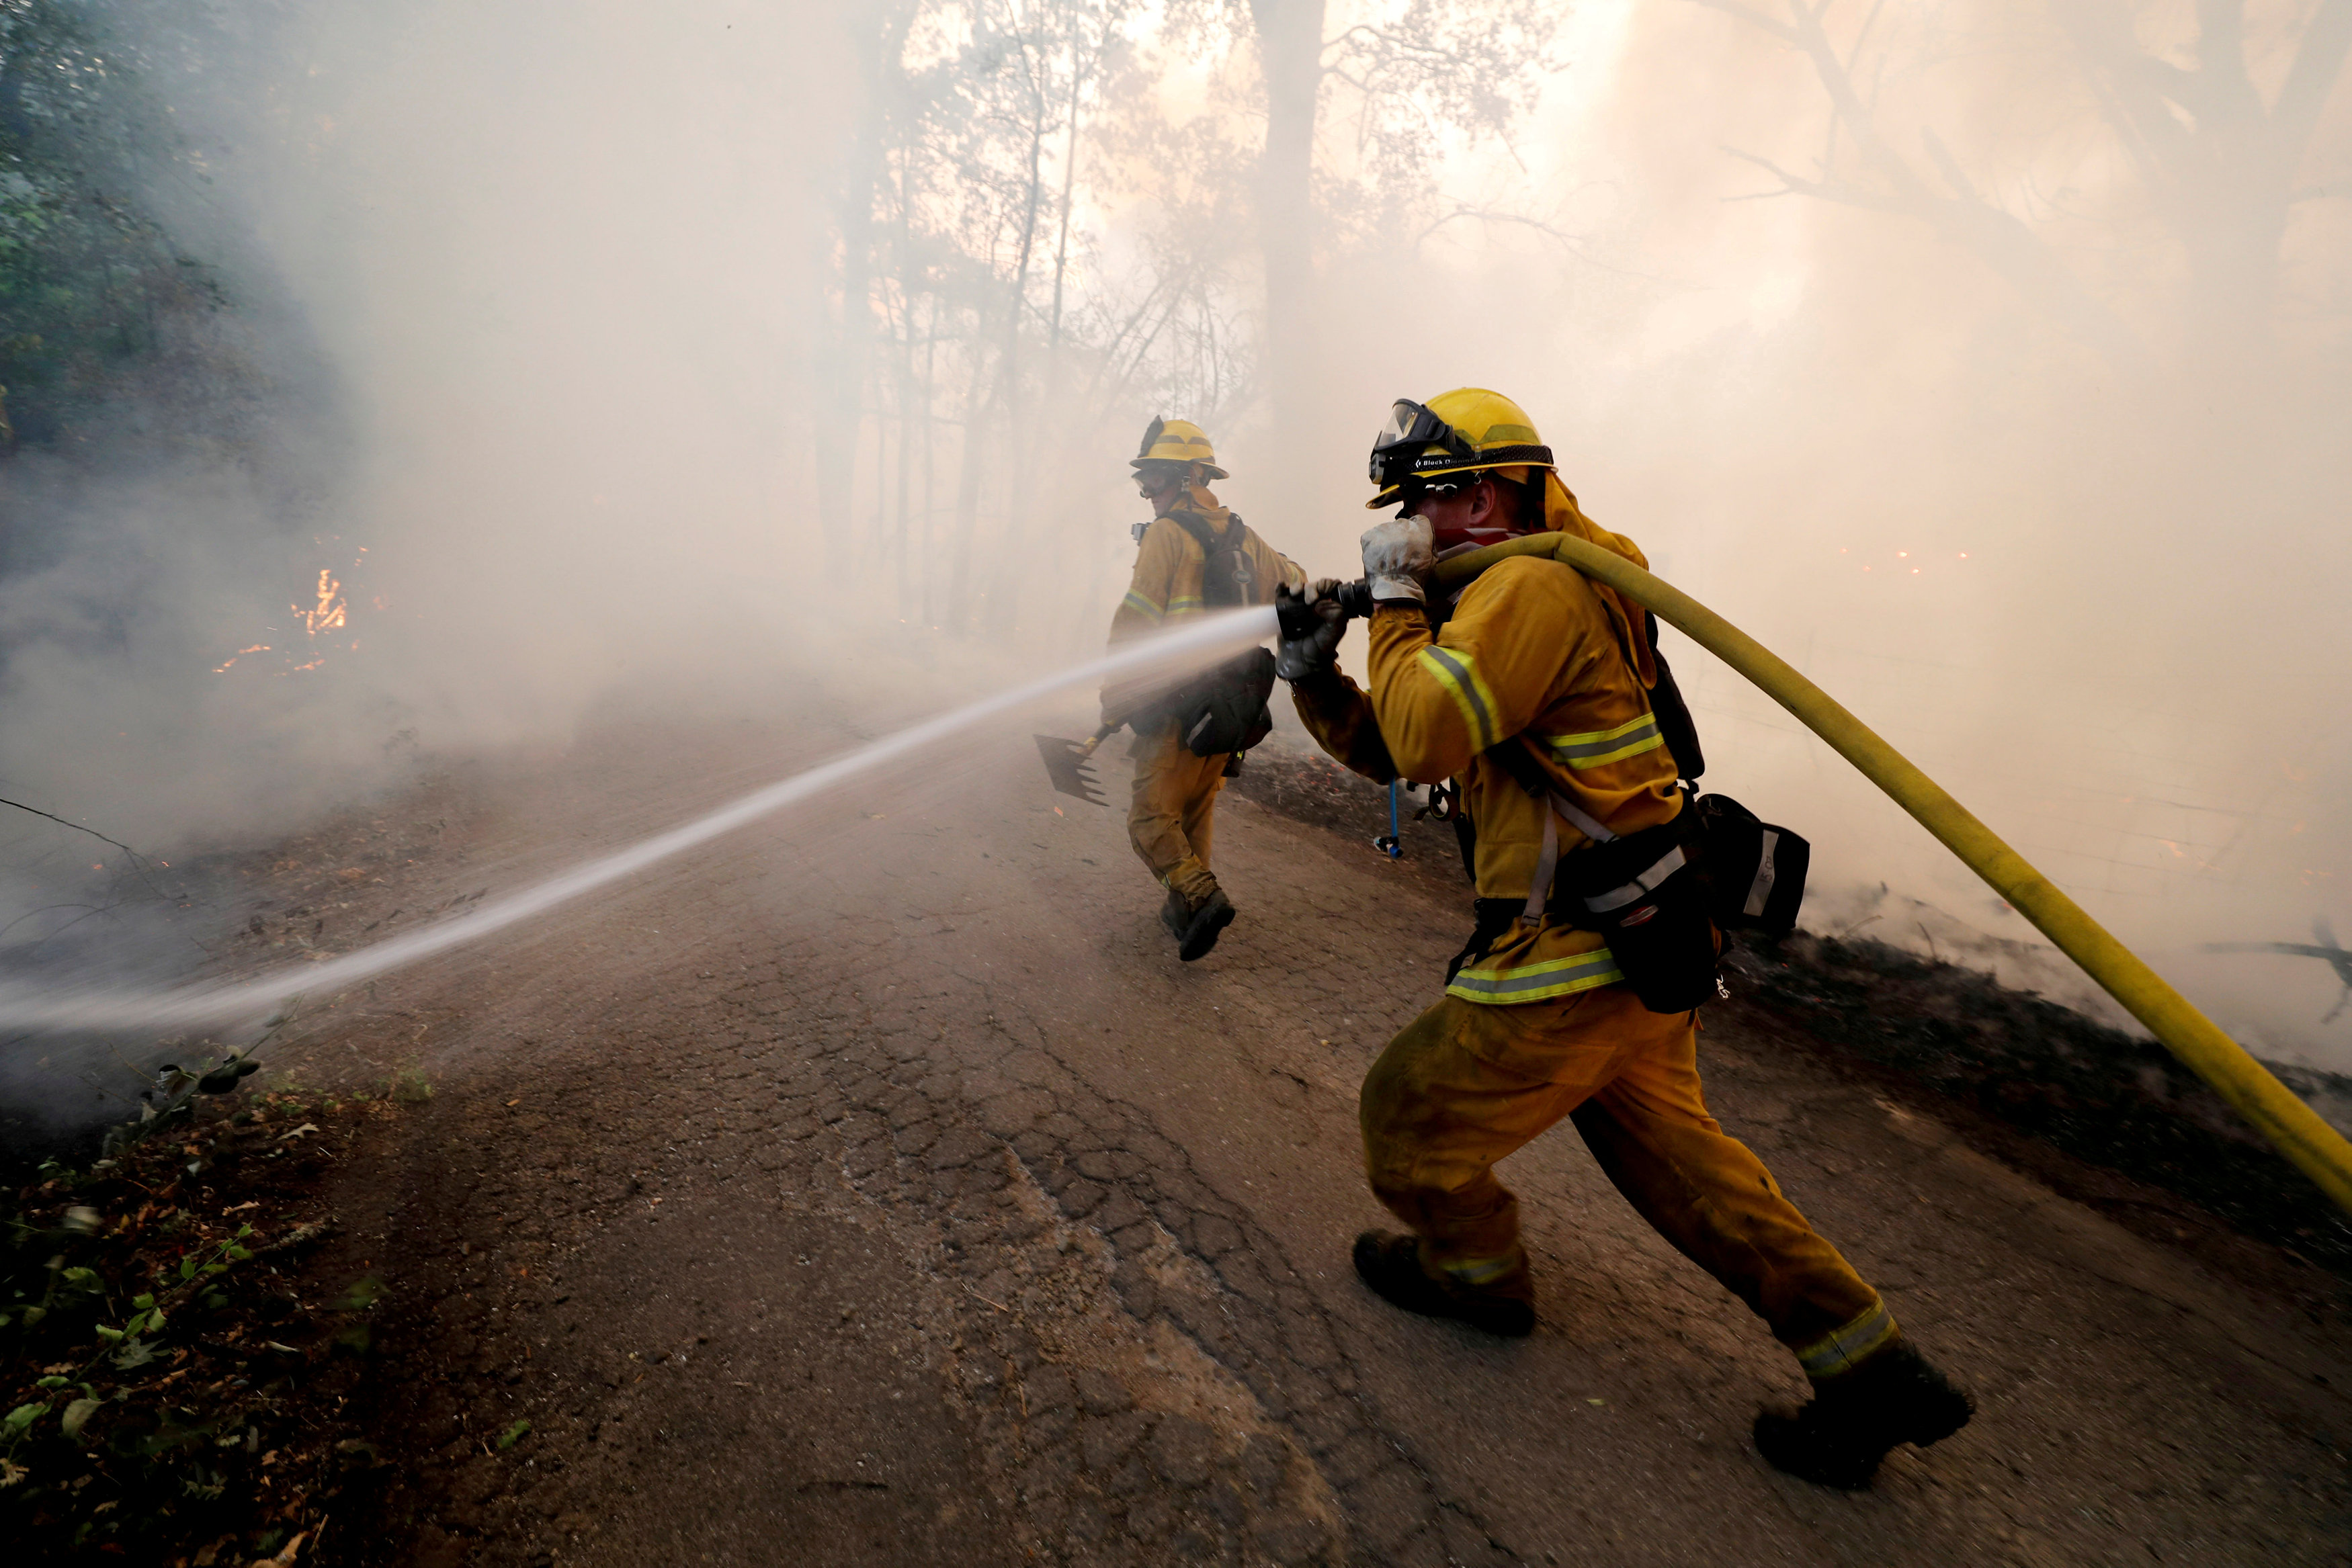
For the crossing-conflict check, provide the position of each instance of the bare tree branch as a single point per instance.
(1754, 19)
(1995, 235)
(2318, 67)
(1836, 192)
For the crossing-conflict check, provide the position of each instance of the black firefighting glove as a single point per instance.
(1311, 622)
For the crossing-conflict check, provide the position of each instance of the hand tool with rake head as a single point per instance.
(1067, 763)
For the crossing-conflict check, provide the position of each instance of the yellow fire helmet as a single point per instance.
(1459, 432)
(1178, 441)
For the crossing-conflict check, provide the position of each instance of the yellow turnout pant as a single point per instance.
(1465, 1083)
(1168, 819)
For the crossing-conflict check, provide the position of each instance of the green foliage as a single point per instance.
(90, 283)
(159, 1387)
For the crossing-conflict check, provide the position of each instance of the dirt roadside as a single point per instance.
(875, 1188)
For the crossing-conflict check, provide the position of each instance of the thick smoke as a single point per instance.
(575, 276)
(2093, 589)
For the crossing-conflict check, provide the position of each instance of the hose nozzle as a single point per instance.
(1296, 614)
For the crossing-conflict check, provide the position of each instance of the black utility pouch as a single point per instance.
(1754, 872)
(1643, 895)
(1227, 710)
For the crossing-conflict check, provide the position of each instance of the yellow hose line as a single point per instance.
(2319, 1150)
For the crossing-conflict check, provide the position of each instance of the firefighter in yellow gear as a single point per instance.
(1537, 1023)
(1171, 819)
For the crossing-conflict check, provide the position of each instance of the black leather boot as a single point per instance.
(1856, 1419)
(1204, 923)
(1391, 1265)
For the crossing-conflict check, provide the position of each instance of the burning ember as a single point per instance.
(241, 653)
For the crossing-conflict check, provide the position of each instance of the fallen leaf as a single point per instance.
(285, 1558)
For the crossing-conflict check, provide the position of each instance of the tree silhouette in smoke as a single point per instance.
(2214, 134)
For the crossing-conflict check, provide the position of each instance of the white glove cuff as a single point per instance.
(1389, 589)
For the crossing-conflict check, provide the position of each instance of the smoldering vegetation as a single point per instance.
(390, 380)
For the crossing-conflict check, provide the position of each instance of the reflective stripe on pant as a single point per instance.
(1168, 819)
(1465, 1084)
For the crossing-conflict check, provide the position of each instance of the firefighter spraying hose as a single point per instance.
(1513, 653)
(1604, 882)
(2298, 1132)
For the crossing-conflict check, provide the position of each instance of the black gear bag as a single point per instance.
(1659, 896)
(1223, 709)
(1642, 893)
(1754, 872)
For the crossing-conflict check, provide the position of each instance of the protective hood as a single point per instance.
(1563, 515)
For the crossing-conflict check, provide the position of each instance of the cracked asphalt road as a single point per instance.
(874, 1187)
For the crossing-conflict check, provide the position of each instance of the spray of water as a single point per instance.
(96, 1008)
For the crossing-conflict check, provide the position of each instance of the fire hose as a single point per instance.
(2298, 1132)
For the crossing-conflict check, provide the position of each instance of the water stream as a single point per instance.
(101, 1008)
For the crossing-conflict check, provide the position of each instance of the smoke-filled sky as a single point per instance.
(2006, 405)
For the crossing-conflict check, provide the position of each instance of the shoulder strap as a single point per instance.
(1192, 524)
(1515, 758)
(1228, 576)
(1673, 715)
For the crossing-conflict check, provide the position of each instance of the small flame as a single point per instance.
(329, 612)
(332, 612)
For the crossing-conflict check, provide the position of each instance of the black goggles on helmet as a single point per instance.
(1415, 440)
